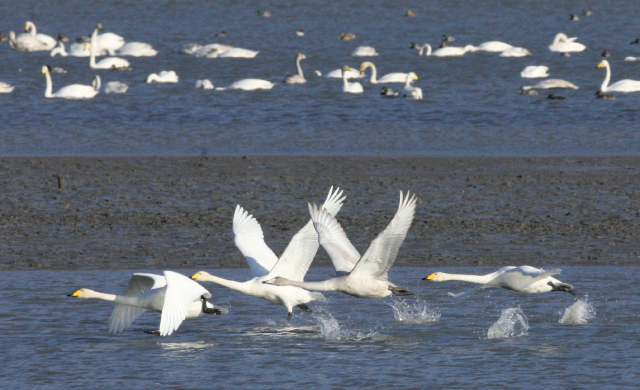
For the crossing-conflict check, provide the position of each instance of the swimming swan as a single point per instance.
(47, 40)
(26, 42)
(388, 78)
(619, 86)
(563, 44)
(204, 84)
(166, 76)
(296, 78)
(524, 279)
(107, 42)
(174, 295)
(534, 72)
(237, 52)
(409, 91)
(364, 51)
(368, 278)
(551, 83)
(6, 87)
(75, 50)
(116, 87)
(493, 46)
(113, 63)
(249, 85)
(351, 74)
(73, 91)
(264, 264)
(348, 87)
(137, 49)
(515, 52)
(445, 50)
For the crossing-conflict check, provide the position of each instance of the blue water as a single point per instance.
(471, 105)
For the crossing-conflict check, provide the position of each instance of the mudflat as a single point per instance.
(176, 212)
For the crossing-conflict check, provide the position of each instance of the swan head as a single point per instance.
(46, 69)
(412, 76)
(301, 56)
(603, 63)
(82, 293)
(365, 65)
(201, 276)
(28, 25)
(99, 26)
(561, 37)
(277, 281)
(435, 277)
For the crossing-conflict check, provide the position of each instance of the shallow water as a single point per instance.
(51, 341)
(471, 104)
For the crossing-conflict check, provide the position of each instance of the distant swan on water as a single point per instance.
(348, 87)
(165, 76)
(534, 72)
(299, 77)
(388, 78)
(73, 91)
(563, 44)
(550, 84)
(619, 86)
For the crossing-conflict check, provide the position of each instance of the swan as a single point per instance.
(631, 58)
(364, 51)
(47, 40)
(238, 52)
(351, 74)
(113, 63)
(249, 85)
(620, 86)
(211, 50)
(166, 76)
(493, 46)
(204, 84)
(515, 52)
(264, 264)
(551, 83)
(73, 91)
(174, 295)
(6, 87)
(563, 44)
(388, 92)
(346, 36)
(534, 72)
(75, 50)
(96, 83)
(296, 78)
(524, 279)
(388, 78)
(409, 91)
(448, 51)
(300, 33)
(107, 42)
(137, 49)
(116, 87)
(368, 277)
(348, 87)
(26, 42)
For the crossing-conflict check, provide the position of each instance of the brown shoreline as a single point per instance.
(175, 212)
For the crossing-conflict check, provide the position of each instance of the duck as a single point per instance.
(410, 13)
(397, 77)
(3, 37)
(348, 87)
(515, 52)
(346, 36)
(264, 264)
(388, 92)
(447, 38)
(26, 42)
(204, 84)
(6, 87)
(409, 91)
(535, 71)
(364, 51)
(264, 14)
(563, 44)
(296, 78)
(605, 54)
(73, 91)
(523, 279)
(527, 92)
(63, 38)
(604, 96)
(221, 34)
(113, 63)
(574, 17)
(165, 76)
(555, 97)
(46, 39)
(174, 295)
(619, 86)
(552, 83)
(368, 277)
(116, 87)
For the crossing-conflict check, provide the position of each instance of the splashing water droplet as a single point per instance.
(417, 313)
(330, 329)
(581, 312)
(512, 323)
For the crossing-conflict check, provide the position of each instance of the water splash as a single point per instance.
(512, 323)
(581, 312)
(417, 313)
(331, 330)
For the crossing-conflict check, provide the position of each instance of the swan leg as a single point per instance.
(305, 308)
(400, 291)
(152, 331)
(562, 287)
(207, 310)
(288, 318)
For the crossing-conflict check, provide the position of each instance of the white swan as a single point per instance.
(619, 86)
(204, 84)
(264, 264)
(296, 78)
(409, 91)
(137, 49)
(515, 52)
(96, 83)
(26, 42)
(73, 91)
(449, 51)
(106, 42)
(348, 87)
(351, 74)
(166, 76)
(174, 295)
(116, 87)
(75, 50)
(249, 85)
(113, 63)
(237, 52)
(524, 279)
(563, 44)
(368, 278)
(493, 46)
(388, 78)
(211, 50)
(364, 51)
(550, 84)
(47, 40)
(534, 72)
(6, 87)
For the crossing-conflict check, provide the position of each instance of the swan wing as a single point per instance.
(296, 259)
(519, 278)
(333, 239)
(77, 91)
(382, 252)
(123, 315)
(250, 240)
(181, 293)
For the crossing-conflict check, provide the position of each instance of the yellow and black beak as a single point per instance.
(75, 294)
(599, 65)
(195, 276)
(430, 277)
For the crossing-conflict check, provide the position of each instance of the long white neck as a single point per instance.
(344, 79)
(32, 28)
(59, 50)
(90, 294)
(232, 284)
(374, 73)
(299, 67)
(607, 78)
(47, 91)
(97, 83)
(409, 80)
(325, 285)
(423, 47)
(480, 279)
(92, 55)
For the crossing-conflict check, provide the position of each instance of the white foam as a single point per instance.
(512, 323)
(418, 312)
(330, 329)
(580, 312)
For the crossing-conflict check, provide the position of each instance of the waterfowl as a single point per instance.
(552, 83)
(116, 87)
(348, 87)
(237, 52)
(554, 97)
(586, 13)
(174, 295)
(493, 46)
(515, 52)
(300, 33)
(75, 50)
(410, 13)
(6, 87)
(106, 42)
(46, 39)
(637, 41)
(351, 74)
(574, 17)
(605, 54)
(221, 34)
(137, 49)
(346, 36)
(448, 38)
(619, 86)
(26, 42)
(296, 78)
(524, 279)
(388, 92)
(73, 91)
(264, 264)
(388, 78)
(113, 63)
(364, 51)
(409, 91)
(264, 14)
(3, 37)
(527, 92)
(533, 72)
(604, 96)
(449, 51)
(63, 38)
(204, 84)
(563, 44)
(368, 278)
(249, 85)
(165, 76)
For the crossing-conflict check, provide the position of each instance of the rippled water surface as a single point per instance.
(51, 341)
(471, 105)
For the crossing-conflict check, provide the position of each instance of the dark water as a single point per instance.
(50, 341)
(471, 105)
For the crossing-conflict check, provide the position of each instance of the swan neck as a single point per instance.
(480, 279)
(299, 67)
(428, 47)
(607, 78)
(98, 83)
(231, 284)
(374, 73)
(47, 91)
(32, 29)
(344, 78)
(92, 55)
(106, 297)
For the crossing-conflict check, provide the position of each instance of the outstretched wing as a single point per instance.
(122, 315)
(181, 293)
(519, 278)
(382, 252)
(334, 240)
(250, 240)
(296, 259)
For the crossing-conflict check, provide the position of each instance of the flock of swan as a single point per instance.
(281, 280)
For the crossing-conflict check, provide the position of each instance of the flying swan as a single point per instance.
(73, 91)
(174, 295)
(264, 264)
(388, 78)
(296, 78)
(619, 86)
(368, 278)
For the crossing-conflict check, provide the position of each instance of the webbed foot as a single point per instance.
(305, 308)
(400, 291)
(152, 331)
(562, 287)
(208, 310)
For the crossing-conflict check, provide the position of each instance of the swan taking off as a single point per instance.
(113, 63)
(364, 51)
(563, 44)
(174, 295)
(368, 278)
(388, 78)
(296, 78)
(348, 87)
(620, 86)
(166, 76)
(264, 264)
(524, 279)
(73, 91)
(47, 40)
(534, 72)
(412, 92)
(550, 84)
